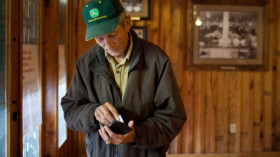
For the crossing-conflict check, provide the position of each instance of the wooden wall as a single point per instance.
(213, 99)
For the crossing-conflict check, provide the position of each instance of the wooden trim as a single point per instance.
(257, 154)
(13, 77)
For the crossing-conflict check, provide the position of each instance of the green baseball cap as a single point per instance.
(101, 17)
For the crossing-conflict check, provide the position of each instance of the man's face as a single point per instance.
(115, 43)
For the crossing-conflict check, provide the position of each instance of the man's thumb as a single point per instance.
(131, 123)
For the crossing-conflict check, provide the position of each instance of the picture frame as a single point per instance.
(228, 37)
(137, 9)
(141, 31)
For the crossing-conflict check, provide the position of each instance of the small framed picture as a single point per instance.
(141, 32)
(137, 9)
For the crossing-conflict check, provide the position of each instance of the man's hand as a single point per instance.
(112, 138)
(106, 113)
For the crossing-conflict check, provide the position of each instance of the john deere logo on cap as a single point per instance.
(94, 13)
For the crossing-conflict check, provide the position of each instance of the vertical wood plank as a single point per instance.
(207, 111)
(268, 85)
(164, 27)
(277, 102)
(222, 114)
(189, 30)
(177, 40)
(274, 75)
(213, 108)
(153, 23)
(258, 113)
(177, 64)
(188, 144)
(232, 109)
(199, 113)
(188, 131)
(238, 113)
(246, 113)
(50, 75)
(210, 111)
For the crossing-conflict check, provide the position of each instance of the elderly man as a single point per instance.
(122, 78)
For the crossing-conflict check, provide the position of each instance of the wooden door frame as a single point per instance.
(13, 78)
(48, 146)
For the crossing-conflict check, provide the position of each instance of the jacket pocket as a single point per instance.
(89, 144)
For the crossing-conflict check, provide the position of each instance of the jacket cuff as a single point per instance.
(91, 111)
(140, 137)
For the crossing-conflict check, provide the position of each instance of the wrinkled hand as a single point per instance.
(112, 138)
(106, 113)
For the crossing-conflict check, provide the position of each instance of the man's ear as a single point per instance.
(127, 22)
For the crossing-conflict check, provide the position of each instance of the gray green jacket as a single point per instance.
(151, 99)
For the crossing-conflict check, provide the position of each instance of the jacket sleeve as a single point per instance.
(169, 115)
(78, 111)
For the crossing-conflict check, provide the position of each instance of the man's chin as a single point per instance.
(114, 54)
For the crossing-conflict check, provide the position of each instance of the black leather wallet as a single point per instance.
(119, 127)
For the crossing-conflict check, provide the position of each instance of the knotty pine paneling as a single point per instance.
(213, 99)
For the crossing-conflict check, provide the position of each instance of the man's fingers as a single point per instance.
(114, 138)
(109, 137)
(104, 135)
(112, 110)
(101, 117)
(106, 113)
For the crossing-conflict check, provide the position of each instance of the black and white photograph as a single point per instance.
(225, 34)
(228, 35)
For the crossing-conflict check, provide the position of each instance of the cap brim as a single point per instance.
(95, 30)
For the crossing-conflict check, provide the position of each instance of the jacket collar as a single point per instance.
(137, 51)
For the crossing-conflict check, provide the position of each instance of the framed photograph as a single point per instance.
(137, 9)
(141, 32)
(228, 37)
